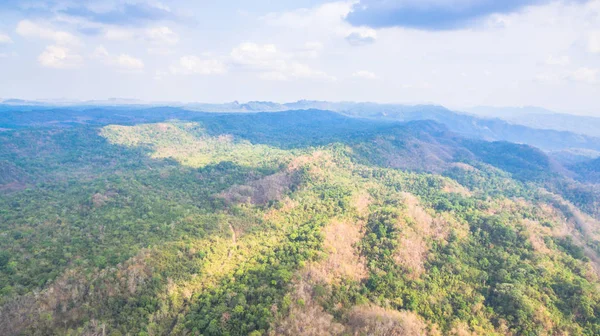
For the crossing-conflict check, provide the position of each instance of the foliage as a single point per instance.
(184, 228)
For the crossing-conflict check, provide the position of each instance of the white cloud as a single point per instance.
(299, 70)
(324, 16)
(162, 35)
(161, 39)
(558, 60)
(122, 61)
(585, 75)
(364, 74)
(27, 28)
(265, 56)
(594, 42)
(59, 57)
(273, 64)
(324, 22)
(5, 39)
(129, 62)
(193, 65)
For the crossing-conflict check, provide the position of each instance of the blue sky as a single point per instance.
(457, 53)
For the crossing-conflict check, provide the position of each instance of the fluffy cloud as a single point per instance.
(27, 28)
(256, 55)
(364, 74)
(123, 61)
(162, 35)
(59, 57)
(324, 16)
(430, 14)
(273, 64)
(129, 62)
(193, 65)
(5, 39)
(324, 22)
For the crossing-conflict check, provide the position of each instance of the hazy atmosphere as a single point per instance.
(458, 53)
(300, 168)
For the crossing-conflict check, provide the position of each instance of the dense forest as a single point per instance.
(289, 223)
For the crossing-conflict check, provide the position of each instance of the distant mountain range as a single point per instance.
(541, 118)
(572, 138)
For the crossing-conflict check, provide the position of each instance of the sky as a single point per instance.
(457, 53)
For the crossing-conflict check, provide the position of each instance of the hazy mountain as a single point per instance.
(486, 123)
(543, 119)
(587, 171)
(574, 156)
(463, 124)
(507, 112)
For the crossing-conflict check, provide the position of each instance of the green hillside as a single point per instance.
(292, 223)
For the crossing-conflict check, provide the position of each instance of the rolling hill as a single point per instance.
(297, 222)
(463, 124)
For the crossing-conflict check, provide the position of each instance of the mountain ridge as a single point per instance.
(467, 125)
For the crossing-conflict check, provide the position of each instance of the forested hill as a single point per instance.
(164, 221)
(19, 116)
